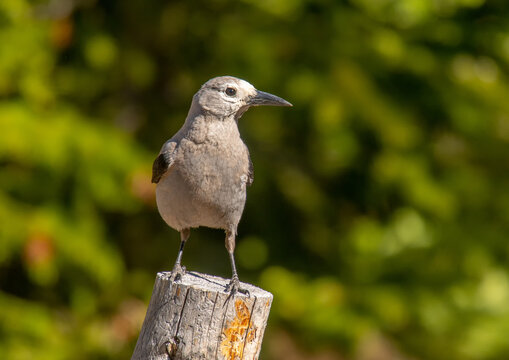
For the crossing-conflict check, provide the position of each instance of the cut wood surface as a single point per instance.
(195, 318)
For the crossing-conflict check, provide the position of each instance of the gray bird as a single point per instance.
(202, 172)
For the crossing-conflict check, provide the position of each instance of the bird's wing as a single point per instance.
(164, 161)
(250, 172)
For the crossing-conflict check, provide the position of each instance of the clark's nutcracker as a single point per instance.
(202, 172)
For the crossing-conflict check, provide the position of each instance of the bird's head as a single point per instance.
(225, 96)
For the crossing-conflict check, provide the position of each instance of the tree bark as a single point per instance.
(195, 318)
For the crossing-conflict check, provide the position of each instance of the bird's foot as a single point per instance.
(177, 272)
(234, 286)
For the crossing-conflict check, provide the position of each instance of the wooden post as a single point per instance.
(195, 318)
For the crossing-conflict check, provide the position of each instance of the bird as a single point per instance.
(203, 171)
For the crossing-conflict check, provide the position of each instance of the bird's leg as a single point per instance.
(179, 270)
(234, 284)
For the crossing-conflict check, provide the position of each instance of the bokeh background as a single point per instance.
(379, 215)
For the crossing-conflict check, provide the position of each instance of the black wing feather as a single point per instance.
(250, 173)
(161, 165)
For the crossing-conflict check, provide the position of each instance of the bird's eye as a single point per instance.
(230, 91)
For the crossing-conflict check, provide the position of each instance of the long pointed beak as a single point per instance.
(263, 98)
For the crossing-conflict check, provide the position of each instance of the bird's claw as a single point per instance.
(234, 287)
(177, 273)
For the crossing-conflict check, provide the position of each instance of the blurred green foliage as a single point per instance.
(380, 211)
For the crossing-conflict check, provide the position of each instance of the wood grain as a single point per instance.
(195, 318)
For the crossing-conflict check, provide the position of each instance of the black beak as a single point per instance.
(263, 98)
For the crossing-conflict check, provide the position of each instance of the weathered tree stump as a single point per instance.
(195, 318)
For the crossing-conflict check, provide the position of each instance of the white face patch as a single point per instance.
(248, 89)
